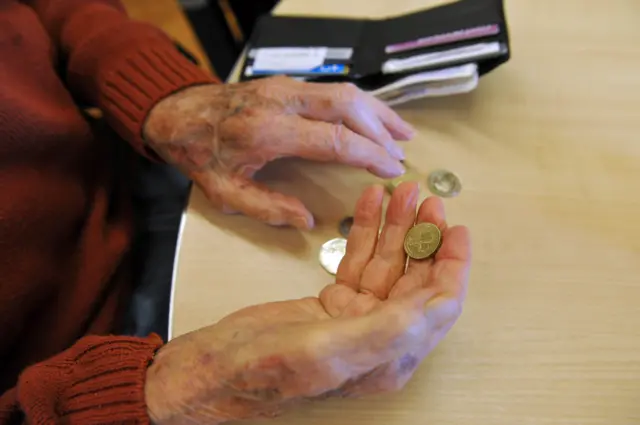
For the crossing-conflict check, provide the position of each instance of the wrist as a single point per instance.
(156, 393)
(176, 389)
(153, 398)
(164, 114)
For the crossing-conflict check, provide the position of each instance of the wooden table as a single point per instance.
(548, 149)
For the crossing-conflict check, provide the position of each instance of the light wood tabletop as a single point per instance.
(548, 151)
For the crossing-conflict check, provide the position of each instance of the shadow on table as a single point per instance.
(278, 176)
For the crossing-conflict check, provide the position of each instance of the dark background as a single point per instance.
(223, 26)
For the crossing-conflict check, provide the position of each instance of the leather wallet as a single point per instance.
(440, 42)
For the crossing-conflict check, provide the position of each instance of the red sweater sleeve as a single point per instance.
(99, 380)
(120, 65)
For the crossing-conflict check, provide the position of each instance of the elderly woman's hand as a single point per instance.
(366, 333)
(220, 135)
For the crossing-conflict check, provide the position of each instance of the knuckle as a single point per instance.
(368, 213)
(270, 88)
(298, 101)
(280, 91)
(341, 97)
(266, 216)
(345, 275)
(265, 88)
(339, 147)
(349, 91)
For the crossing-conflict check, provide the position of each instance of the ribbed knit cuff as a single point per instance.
(99, 380)
(138, 80)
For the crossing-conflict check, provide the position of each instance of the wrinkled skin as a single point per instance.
(220, 135)
(364, 334)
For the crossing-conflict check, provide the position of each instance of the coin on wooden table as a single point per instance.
(345, 226)
(422, 241)
(444, 183)
(331, 254)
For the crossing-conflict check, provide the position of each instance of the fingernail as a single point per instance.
(397, 152)
(407, 130)
(397, 169)
(303, 223)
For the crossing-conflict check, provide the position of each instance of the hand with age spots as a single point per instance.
(364, 334)
(220, 135)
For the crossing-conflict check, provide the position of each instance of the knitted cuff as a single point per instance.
(98, 380)
(139, 80)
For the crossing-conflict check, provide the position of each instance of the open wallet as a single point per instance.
(434, 52)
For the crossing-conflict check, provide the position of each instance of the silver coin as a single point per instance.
(444, 183)
(331, 254)
(345, 226)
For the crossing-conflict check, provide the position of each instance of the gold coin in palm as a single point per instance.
(422, 241)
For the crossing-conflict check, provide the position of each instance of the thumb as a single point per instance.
(238, 193)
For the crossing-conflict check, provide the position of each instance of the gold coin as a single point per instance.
(422, 241)
(331, 254)
(444, 183)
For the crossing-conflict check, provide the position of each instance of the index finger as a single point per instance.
(322, 141)
(399, 128)
(359, 110)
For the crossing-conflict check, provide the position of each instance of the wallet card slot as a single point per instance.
(445, 22)
(298, 61)
(324, 47)
(444, 58)
(433, 48)
(447, 38)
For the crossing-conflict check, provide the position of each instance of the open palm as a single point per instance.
(364, 334)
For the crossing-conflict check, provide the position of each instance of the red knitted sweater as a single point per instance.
(64, 224)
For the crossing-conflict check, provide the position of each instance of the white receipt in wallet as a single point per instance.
(443, 82)
(289, 58)
(472, 53)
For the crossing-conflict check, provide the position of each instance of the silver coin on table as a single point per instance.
(331, 254)
(345, 226)
(444, 183)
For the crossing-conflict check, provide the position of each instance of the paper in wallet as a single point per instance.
(434, 52)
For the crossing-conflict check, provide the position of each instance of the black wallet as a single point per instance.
(376, 53)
